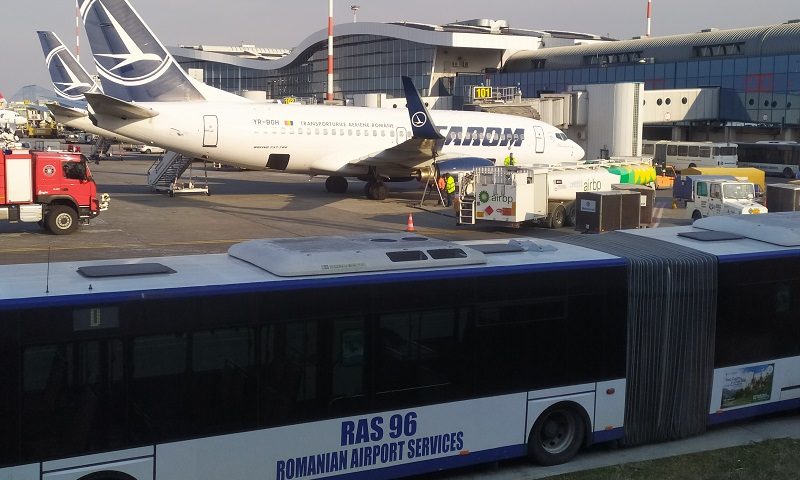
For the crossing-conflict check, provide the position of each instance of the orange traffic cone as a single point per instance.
(410, 224)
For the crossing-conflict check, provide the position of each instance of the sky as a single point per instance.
(284, 24)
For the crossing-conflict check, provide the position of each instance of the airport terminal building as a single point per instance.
(751, 75)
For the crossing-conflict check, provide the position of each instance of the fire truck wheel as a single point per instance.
(61, 220)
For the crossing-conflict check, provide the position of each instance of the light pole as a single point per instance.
(354, 8)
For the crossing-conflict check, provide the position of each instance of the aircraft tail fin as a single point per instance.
(105, 105)
(422, 125)
(133, 63)
(70, 79)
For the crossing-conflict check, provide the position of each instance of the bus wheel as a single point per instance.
(692, 165)
(61, 220)
(556, 436)
(787, 173)
(696, 215)
(558, 217)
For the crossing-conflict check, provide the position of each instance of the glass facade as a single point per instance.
(363, 64)
(753, 89)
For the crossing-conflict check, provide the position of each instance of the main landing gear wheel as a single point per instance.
(336, 184)
(556, 436)
(376, 190)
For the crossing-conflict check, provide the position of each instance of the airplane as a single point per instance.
(71, 81)
(9, 119)
(148, 96)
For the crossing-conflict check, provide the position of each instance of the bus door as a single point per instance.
(538, 134)
(210, 124)
(660, 154)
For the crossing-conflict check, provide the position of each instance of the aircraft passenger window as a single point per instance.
(350, 132)
(481, 136)
(316, 131)
(291, 131)
(502, 136)
(324, 131)
(366, 133)
(341, 132)
(374, 133)
(308, 131)
(391, 133)
(299, 131)
(358, 133)
(333, 131)
(283, 131)
(383, 133)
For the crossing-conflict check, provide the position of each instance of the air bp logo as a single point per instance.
(130, 65)
(49, 170)
(483, 196)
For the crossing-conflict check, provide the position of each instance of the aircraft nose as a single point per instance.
(577, 151)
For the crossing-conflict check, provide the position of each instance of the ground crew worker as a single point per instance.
(510, 161)
(442, 185)
(450, 186)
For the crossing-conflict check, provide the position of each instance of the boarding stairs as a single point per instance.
(466, 210)
(164, 174)
(466, 199)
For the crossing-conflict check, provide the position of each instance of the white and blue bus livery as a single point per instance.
(388, 355)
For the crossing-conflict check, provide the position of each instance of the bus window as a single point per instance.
(705, 152)
(223, 379)
(683, 150)
(71, 393)
(415, 357)
(158, 394)
(648, 149)
(672, 150)
(290, 357)
(694, 151)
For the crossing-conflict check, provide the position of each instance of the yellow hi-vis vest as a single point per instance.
(451, 184)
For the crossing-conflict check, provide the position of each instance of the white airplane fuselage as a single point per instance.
(332, 140)
(86, 125)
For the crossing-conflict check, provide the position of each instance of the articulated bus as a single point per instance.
(388, 355)
(682, 155)
(774, 157)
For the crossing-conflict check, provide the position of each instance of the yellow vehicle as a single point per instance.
(665, 177)
(748, 174)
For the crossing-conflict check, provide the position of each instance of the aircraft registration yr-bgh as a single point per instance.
(149, 97)
(70, 82)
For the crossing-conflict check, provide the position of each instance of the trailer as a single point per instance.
(540, 195)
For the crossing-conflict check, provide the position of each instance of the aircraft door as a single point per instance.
(210, 124)
(402, 135)
(538, 134)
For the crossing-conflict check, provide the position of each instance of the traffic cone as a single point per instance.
(410, 224)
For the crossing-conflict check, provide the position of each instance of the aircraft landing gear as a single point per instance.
(375, 189)
(336, 184)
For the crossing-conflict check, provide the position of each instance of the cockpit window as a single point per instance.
(561, 136)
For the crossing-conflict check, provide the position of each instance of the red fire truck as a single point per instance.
(55, 189)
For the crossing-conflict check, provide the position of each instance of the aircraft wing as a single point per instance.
(104, 105)
(412, 153)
